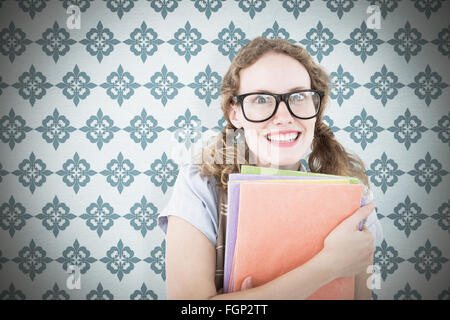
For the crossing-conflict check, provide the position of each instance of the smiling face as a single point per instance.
(275, 73)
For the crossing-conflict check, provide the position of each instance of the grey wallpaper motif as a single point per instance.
(101, 100)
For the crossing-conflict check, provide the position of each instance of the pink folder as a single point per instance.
(233, 209)
(283, 225)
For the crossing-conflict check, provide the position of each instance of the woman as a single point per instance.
(276, 136)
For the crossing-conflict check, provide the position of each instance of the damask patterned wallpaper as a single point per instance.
(98, 100)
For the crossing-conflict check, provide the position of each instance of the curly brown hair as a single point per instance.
(327, 154)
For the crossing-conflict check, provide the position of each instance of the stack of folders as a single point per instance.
(278, 220)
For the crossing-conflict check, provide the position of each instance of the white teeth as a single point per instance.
(283, 137)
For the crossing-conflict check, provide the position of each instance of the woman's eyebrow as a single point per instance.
(293, 89)
(299, 88)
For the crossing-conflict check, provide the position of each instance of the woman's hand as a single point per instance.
(349, 251)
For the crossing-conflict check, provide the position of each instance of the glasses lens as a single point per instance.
(258, 106)
(304, 104)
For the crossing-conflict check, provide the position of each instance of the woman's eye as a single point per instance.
(296, 97)
(261, 99)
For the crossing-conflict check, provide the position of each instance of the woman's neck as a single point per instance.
(295, 166)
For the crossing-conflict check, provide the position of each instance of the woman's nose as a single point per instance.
(283, 115)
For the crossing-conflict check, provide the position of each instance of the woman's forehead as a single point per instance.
(274, 72)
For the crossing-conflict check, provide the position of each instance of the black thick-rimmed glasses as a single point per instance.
(261, 106)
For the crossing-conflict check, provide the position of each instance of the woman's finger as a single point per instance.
(247, 283)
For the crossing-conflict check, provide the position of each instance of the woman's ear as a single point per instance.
(235, 116)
